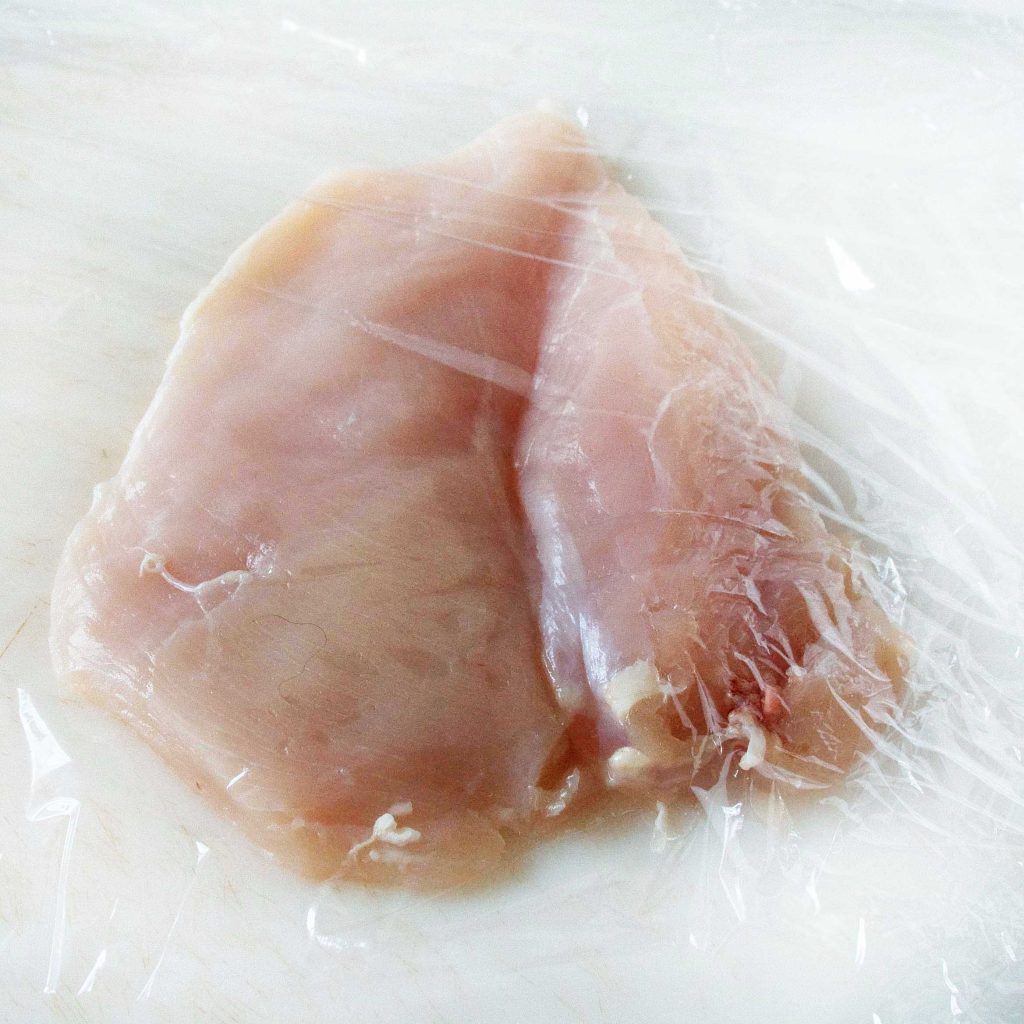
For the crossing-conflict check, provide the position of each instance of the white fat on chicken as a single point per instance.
(387, 831)
(652, 745)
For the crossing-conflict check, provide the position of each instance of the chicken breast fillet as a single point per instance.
(693, 600)
(455, 485)
(308, 584)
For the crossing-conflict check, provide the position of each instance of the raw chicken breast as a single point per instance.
(312, 585)
(308, 585)
(689, 586)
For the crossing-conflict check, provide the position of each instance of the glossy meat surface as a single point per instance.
(456, 484)
(688, 583)
(308, 584)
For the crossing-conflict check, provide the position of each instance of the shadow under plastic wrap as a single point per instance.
(850, 188)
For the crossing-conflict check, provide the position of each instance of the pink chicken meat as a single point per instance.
(693, 601)
(307, 586)
(455, 486)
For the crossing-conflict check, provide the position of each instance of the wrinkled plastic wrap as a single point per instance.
(849, 182)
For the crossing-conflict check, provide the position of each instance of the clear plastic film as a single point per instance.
(847, 182)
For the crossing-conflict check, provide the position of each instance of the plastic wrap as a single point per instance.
(848, 182)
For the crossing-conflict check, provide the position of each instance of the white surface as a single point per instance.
(850, 181)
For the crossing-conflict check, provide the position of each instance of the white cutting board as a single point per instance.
(849, 180)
